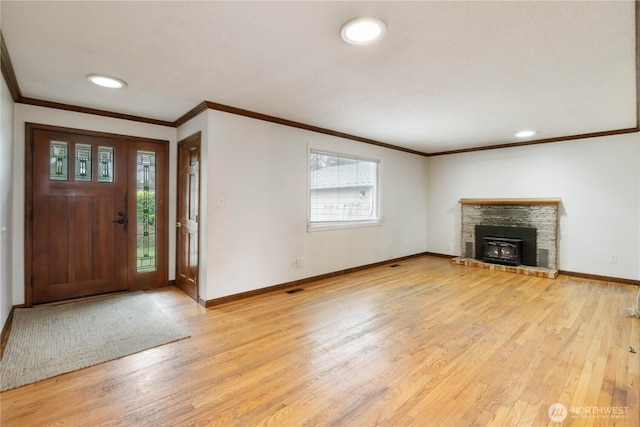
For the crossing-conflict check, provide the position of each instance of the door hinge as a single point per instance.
(178, 224)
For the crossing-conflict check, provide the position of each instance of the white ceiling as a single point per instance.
(447, 75)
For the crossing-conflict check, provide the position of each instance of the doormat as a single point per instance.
(49, 341)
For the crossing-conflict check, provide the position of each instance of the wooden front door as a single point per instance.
(86, 231)
(187, 230)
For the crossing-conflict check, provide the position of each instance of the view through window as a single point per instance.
(343, 189)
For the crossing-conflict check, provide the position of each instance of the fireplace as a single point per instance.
(506, 245)
(502, 250)
(535, 221)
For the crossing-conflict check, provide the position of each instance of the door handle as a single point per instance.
(122, 220)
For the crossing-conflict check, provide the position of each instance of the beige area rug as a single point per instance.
(49, 341)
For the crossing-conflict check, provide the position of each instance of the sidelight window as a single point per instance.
(146, 211)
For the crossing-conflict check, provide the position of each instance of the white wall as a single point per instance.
(32, 114)
(255, 187)
(254, 199)
(7, 232)
(598, 180)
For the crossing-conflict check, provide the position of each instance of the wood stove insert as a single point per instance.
(506, 245)
(502, 250)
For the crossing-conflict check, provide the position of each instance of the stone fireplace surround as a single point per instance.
(541, 214)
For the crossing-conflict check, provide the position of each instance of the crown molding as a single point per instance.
(12, 82)
(209, 105)
(94, 111)
(8, 72)
(538, 141)
(311, 128)
(191, 114)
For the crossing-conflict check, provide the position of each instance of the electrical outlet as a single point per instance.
(299, 262)
(613, 259)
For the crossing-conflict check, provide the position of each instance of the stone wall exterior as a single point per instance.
(542, 217)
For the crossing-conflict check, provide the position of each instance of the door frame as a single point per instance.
(30, 128)
(197, 139)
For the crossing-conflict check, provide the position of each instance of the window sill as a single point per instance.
(326, 226)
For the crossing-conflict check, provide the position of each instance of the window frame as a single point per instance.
(355, 223)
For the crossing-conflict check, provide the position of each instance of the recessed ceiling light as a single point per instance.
(363, 30)
(525, 133)
(106, 81)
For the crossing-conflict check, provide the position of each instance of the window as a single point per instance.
(59, 168)
(83, 162)
(146, 211)
(105, 158)
(342, 189)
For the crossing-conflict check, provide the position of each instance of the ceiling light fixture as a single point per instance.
(106, 81)
(363, 30)
(525, 133)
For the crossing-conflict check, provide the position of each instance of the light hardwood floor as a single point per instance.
(427, 344)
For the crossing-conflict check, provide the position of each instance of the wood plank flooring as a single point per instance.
(427, 343)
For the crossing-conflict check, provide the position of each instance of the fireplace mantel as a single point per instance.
(511, 201)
